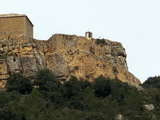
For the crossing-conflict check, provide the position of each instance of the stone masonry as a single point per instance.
(18, 24)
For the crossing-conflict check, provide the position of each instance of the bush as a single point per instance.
(102, 99)
(46, 80)
(102, 87)
(152, 82)
(17, 82)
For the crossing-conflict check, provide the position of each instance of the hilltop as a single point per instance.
(65, 55)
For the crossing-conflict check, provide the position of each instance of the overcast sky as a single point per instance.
(134, 23)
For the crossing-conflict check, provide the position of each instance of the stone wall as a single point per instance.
(16, 24)
(28, 28)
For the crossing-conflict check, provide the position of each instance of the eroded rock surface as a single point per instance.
(148, 107)
(65, 56)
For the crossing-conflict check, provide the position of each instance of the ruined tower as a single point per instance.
(16, 23)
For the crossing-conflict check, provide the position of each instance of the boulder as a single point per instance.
(148, 107)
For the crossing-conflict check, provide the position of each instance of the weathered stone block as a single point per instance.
(57, 64)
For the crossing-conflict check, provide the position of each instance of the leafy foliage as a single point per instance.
(152, 83)
(102, 87)
(75, 99)
(45, 79)
(152, 87)
(17, 82)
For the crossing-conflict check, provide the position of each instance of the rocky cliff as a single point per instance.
(65, 56)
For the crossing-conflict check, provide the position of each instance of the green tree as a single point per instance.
(152, 83)
(73, 87)
(34, 106)
(152, 88)
(82, 100)
(50, 87)
(46, 80)
(108, 106)
(102, 87)
(6, 99)
(17, 82)
(16, 110)
(96, 116)
(119, 89)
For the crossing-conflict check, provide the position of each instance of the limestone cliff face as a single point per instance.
(65, 56)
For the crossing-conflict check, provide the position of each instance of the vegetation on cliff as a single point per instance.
(102, 99)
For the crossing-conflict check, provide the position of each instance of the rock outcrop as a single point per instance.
(148, 107)
(65, 56)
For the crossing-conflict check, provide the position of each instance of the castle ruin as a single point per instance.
(16, 23)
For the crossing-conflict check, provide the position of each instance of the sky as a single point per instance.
(134, 23)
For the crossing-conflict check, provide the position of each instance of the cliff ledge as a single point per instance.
(65, 56)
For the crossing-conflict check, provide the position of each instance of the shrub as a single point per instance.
(17, 82)
(102, 87)
(46, 80)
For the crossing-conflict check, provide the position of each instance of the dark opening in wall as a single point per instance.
(89, 34)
